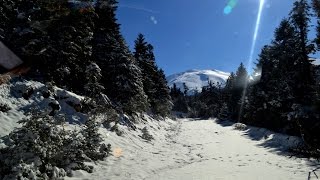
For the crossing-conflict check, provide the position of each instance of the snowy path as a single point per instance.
(202, 150)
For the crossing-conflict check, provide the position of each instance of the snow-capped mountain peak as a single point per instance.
(195, 79)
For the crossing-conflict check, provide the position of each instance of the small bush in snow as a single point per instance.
(4, 107)
(43, 149)
(94, 148)
(146, 135)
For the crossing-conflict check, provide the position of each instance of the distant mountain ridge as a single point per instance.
(195, 79)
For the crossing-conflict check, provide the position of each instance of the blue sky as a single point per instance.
(196, 34)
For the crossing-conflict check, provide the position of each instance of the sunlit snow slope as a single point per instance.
(196, 79)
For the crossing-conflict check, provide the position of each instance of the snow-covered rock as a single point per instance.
(196, 79)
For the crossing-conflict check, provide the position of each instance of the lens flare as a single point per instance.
(231, 4)
(227, 10)
(253, 46)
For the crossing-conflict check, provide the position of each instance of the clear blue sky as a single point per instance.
(196, 34)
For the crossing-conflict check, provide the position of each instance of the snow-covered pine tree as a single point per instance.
(36, 150)
(93, 88)
(72, 32)
(147, 64)
(25, 35)
(43, 149)
(163, 102)
(93, 146)
(51, 37)
(154, 82)
(120, 74)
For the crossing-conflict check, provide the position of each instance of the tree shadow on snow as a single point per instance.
(224, 123)
(275, 142)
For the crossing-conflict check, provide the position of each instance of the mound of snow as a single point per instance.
(25, 96)
(196, 79)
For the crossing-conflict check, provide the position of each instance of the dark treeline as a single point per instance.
(283, 92)
(60, 39)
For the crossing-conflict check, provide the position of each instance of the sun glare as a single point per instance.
(253, 46)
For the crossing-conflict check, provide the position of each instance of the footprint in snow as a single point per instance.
(199, 155)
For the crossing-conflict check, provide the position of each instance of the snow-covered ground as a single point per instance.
(181, 149)
(199, 149)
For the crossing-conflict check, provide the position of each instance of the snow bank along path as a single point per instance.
(199, 149)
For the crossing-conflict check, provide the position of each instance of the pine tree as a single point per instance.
(7, 15)
(300, 18)
(120, 74)
(230, 81)
(270, 99)
(26, 36)
(163, 104)
(185, 89)
(72, 32)
(52, 38)
(241, 77)
(238, 84)
(227, 96)
(175, 92)
(316, 9)
(39, 150)
(93, 146)
(93, 87)
(154, 82)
